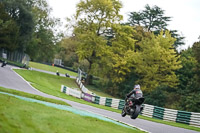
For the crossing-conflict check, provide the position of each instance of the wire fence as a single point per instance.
(15, 56)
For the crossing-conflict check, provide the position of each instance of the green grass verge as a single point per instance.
(98, 91)
(63, 71)
(18, 116)
(51, 68)
(51, 84)
(20, 93)
(43, 82)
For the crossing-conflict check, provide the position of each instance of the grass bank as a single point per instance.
(51, 84)
(63, 71)
(18, 116)
(20, 93)
(51, 68)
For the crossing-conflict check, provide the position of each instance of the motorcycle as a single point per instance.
(3, 63)
(133, 107)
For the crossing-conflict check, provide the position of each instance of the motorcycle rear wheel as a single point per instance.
(136, 112)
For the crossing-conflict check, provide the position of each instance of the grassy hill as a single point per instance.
(97, 91)
(18, 116)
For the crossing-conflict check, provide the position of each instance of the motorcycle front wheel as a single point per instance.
(136, 112)
(123, 113)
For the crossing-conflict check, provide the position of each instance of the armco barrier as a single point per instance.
(148, 110)
(170, 114)
(158, 112)
(63, 88)
(190, 118)
(83, 88)
(70, 91)
(108, 102)
(183, 117)
(87, 97)
(121, 104)
(97, 99)
(195, 119)
(115, 103)
(102, 101)
(75, 93)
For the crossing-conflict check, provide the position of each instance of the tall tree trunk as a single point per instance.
(89, 76)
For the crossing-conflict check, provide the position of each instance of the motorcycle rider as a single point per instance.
(4, 63)
(134, 94)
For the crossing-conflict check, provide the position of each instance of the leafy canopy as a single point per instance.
(153, 19)
(157, 62)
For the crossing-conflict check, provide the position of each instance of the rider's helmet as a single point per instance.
(137, 86)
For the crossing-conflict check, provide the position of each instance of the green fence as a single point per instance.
(158, 112)
(108, 102)
(183, 117)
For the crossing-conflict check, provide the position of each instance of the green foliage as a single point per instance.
(153, 19)
(122, 56)
(127, 85)
(43, 43)
(8, 30)
(187, 72)
(190, 98)
(157, 62)
(189, 79)
(157, 97)
(20, 12)
(122, 51)
(26, 26)
(67, 52)
(196, 49)
(93, 18)
(16, 24)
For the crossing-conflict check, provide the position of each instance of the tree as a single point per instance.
(93, 18)
(9, 30)
(21, 20)
(67, 51)
(26, 26)
(196, 49)
(157, 62)
(153, 19)
(157, 97)
(188, 89)
(187, 72)
(44, 38)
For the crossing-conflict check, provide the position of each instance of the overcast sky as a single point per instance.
(185, 13)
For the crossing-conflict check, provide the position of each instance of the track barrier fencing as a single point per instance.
(15, 56)
(190, 118)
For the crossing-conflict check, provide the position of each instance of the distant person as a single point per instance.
(83, 80)
(57, 73)
(67, 75)
(3, 63)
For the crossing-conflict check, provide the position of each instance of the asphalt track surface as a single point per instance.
(10, 79)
